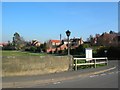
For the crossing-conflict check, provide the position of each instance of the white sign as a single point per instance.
(88, 54)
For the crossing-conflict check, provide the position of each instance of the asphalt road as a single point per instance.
(103, 80)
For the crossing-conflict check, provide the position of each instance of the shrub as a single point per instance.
(112, 52)
(8, 47)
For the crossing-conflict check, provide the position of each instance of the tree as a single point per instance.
(33, 49)
(18, 41)
(79, 50)
(112, 32)
(91, 39)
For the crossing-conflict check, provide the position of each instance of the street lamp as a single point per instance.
(68, 34)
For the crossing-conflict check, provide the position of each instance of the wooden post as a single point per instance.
(106, 61)
(95, 63)
(75, 64)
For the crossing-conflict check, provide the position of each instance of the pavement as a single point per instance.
(41, 80)
(103, 80)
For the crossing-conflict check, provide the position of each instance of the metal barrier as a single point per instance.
(92, 61)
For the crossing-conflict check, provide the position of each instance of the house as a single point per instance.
(52, 45)
(55, 42)
(62, 47)
(52, 50)
(105, 39)
(58, 45)
(3, 44)
(75, 42)
(35, 43)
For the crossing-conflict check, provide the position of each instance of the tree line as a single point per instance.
(18, 43)
(106, 44)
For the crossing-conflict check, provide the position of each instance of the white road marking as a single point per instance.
(56, 82)
(94, 76)
(111, 73)
(103, 74)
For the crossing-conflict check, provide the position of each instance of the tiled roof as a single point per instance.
(55, 41)
(3, 43)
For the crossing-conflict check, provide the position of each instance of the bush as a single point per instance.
(8, 47)
(112, 52)
(79, 50)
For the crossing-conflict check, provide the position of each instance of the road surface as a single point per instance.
(103, 80)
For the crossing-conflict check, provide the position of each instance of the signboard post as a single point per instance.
(89, 55)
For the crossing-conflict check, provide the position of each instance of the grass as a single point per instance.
(81, 61)
(100, 65)
(90, 66)
(20, 53)
(87, 66)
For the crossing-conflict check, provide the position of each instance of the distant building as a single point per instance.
(58, 45)
(52, 45)
(3, 44)
(105, 39)
(65, 41)
(55, 42)
(35, 43)
(77, 41)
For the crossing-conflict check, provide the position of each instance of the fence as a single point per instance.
(92, 61)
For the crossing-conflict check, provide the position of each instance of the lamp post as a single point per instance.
(68, 34)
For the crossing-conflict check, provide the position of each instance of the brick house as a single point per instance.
(35, 43)
(58, 45)
(3, 44)
(106, 39)
(52, 45)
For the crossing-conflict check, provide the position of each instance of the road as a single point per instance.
(103, 80)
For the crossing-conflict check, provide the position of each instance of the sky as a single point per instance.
(47, 20)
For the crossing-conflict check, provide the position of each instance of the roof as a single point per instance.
(3, 43)
(55, 41)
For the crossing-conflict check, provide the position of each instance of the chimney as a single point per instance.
(60, 37)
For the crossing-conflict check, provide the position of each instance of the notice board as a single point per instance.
(89, 54)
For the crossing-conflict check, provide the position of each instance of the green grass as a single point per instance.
(19, 53)
(90, 66)
(100, 65)
(81, 61)
(87, 66)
